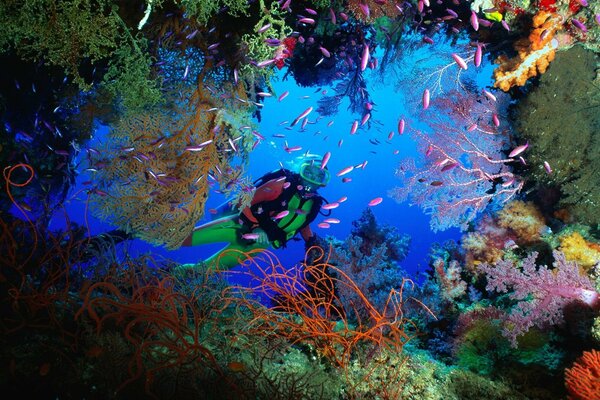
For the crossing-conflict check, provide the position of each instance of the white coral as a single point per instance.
(479, 5)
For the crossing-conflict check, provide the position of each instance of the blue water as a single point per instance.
(393, 97)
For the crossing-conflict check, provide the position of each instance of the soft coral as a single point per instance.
(541, 293)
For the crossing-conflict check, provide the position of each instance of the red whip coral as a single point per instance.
(583, 378)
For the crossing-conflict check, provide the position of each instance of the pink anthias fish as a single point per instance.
(250, 236)
(365, 58)
(365, 118)
(474, 21)
(459, 60)
(401, 125)
(325, 52)
(283, 95)
(323, 225)
(478, 55)
(299, 117)
(308, 21)
(375, 201)
(518, 150)
(325, 159)
(489, 95)
(426, 99)
(282, 214)
(346, 170)
(354, 127)
(495, 120)
(330, 206)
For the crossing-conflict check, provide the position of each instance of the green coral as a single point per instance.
(63, 33)
(561, 120)
(483, 349)
(77, 36)
(204, 10)
(128, 77)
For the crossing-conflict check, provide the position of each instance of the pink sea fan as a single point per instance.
(462, 166)
(541, 293)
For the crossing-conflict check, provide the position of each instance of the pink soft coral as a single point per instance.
(541, 293)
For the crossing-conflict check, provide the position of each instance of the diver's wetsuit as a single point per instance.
(277, 191)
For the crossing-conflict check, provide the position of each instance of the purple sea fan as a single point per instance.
(541, 293)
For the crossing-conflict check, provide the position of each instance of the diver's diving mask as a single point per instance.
(312, 173)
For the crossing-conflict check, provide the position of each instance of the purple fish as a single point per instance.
(579, 25)
(365, 58)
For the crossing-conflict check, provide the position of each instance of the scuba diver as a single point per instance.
(284, 204)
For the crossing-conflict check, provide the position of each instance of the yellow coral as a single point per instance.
(534, 53)
(478, 250)
(576, 248)
(523, 219)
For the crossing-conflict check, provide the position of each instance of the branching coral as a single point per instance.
(82, 37)
(162, 325)
(369, 10)
(534, 53)
(257, 44)
(369, 256)
(204, 10)
(449, 280)
(61, 32)
(154, 176)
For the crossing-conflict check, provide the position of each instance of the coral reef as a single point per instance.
(316, 316)
(369, 10)
(523, 220)
(369, 256)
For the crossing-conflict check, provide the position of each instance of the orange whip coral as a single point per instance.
(583, 378)
(308, 309)
(534, 53)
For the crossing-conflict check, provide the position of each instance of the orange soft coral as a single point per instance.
(522, 219)
(480, 249)
(583, 378)
(576, 248)
(534, 53)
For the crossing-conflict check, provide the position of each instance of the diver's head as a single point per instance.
(312, 176)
